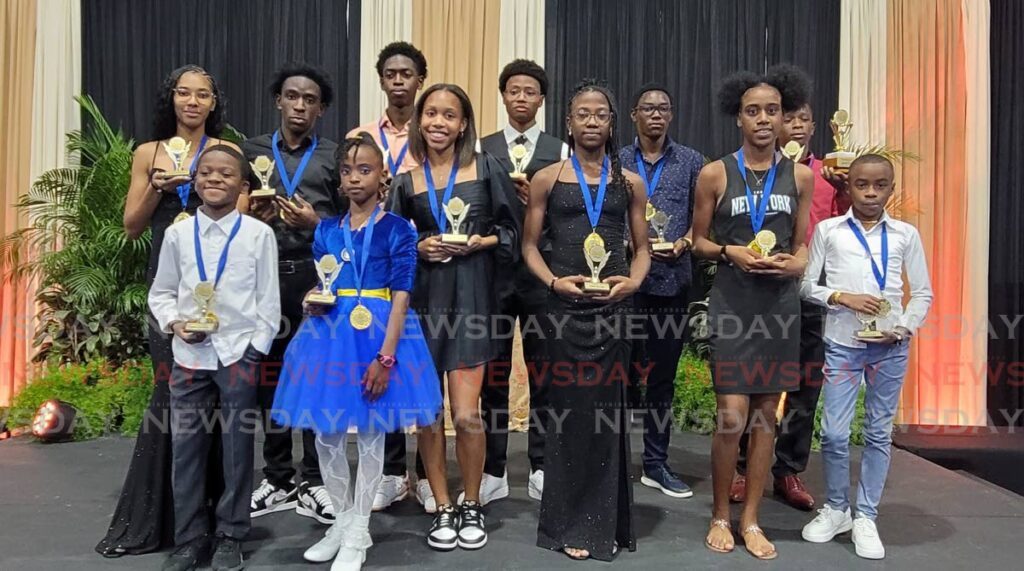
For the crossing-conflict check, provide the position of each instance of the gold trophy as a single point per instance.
(518, 155)
(794, 151)
(763, 243)
(597, 258)
(659, 222)
(841, 158)
(263, 166)
(327, 269)
(870, 322)
(178, 148)
(456, 211)
(207, 321)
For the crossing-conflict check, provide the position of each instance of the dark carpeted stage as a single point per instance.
(56, 501)
(993, 453)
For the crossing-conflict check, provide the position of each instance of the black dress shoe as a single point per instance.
(228, 555)
(188, 556)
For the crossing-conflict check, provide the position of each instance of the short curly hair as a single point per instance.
(294, 69)
(401, 49)
(524, 67)
(791, 82)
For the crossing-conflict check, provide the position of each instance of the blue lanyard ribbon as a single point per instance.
(593, 210)
(650, 183)
(291, 184)
(439, 216)
(393, 164)
(757, 214)
(185, 189)
(880, 275)
(358, 269)
(223, 262)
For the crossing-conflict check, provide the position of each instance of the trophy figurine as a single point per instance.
(870, 330)
(263, 166)
(327, 269)
(456, 211)
(207, 321)
(841, 158)
(794, 151)
(659, 222)
(518, 155)
(178, 148)
(763, 243)
(597, 258)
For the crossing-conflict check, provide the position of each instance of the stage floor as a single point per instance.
(56, 500)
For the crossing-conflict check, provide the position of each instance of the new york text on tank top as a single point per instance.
(776, 203)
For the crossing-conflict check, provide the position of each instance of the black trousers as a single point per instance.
(494, 395)
(793, 443)
(665, 320)
(296, 278)
(195, 395)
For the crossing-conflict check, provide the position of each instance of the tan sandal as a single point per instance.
(755, 530)
(721, 524)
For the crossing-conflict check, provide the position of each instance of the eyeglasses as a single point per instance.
(582, 115)
(650, 109)
(527, 93)
(185, 93)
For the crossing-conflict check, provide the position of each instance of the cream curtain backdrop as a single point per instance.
(58, 78)
(382, 22)
(862, 70)
(521, 36)
(17, 60)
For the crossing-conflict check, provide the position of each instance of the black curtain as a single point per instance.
(129, 46)
(1006, 245)
(689, 46)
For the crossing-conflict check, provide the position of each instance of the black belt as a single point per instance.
(293, 266)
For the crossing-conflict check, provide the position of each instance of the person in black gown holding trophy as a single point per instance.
(586, 508)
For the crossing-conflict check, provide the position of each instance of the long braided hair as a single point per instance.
(610, 147)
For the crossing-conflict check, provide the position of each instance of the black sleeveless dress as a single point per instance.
(143, 521)
(456, 300)
(755, 320)
(588, 496)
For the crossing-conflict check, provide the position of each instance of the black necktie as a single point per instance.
(521, 140)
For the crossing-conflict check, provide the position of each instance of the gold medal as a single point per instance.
(765, 240)
(593, 239)
(884, 307)
(651, 212)
(360, 318)
(182, 216)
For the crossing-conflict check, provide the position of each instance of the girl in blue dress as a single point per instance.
(361, 364)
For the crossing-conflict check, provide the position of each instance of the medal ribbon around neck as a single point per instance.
(883, 274)
(439, 217)
(291, 183)
(393, 164)
(593, 210)
(223, 262)
(650, 183)
(185, 189)
(757, 214)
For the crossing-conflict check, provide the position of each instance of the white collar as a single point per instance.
(531, 134)
(225, 223)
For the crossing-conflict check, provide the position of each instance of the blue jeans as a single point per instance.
(883, 368)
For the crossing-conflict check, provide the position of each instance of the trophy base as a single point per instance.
(596, 287)
(179, 172)
(869, 335)
(321, 299)
(459, 239)
(201, 326)
(263, 193)
(517, 176)
(662, 247)
(840, 160)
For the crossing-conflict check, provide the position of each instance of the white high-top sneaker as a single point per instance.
(355, 541)
(325, 549)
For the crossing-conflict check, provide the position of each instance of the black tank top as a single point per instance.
(732, 226)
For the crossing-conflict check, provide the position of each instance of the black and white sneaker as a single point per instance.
(228, 555)
(444, 532)
(268, 498)
(315, 502)
(472, 534)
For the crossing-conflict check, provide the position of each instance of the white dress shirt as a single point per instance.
(247, 301)
(531, 134)
(848, 269)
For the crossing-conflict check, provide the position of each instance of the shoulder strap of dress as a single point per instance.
(156, 149)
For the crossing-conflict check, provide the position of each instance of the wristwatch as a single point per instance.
(387, 361)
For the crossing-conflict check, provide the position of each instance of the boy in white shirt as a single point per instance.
(867, 333)
(216, 290)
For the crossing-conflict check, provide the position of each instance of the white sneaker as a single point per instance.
(327, 548)
(827, 524)
(392, 489)
(268, 498)
(866, 540)
(491, 488)
(425, 496)
(536, 486)
(355, 541)
(349, 559)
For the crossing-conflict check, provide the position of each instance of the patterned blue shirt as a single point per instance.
(674, 196)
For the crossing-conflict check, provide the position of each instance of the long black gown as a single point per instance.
(143, 521)
(588, 498)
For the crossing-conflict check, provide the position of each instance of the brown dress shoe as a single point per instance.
(738, 490)
(794, 493)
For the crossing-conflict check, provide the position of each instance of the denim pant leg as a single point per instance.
(844, 367)
(885, 371)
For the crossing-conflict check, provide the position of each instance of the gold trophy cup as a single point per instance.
(263, 166)
(327, 269)
(659, 222)
(870, 322)
(794, 151)
(597, 258)
(207, 321)
(518, 155)
(841, 158)
(456, 211)
(763, 243)
(178, 148)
